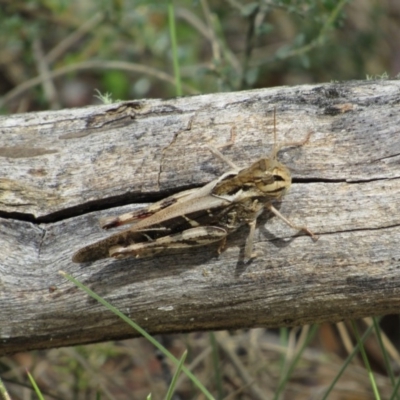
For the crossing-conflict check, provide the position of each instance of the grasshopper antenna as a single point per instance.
(276, 147)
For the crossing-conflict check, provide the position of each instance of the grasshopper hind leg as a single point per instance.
(194, 237)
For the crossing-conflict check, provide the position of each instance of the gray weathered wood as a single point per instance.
(57, 167)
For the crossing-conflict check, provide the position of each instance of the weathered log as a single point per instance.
(61, 171)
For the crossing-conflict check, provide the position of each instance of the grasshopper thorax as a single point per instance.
(265, 178)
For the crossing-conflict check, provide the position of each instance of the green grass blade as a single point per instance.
(346, 363)
(296, 359)
(3, 391)
(172, 33)
(171, 388)
(141, 331)
(35, 386)
(216, 365)
(386, 360)
(366, 362)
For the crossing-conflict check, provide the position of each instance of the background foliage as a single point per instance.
(55, 53)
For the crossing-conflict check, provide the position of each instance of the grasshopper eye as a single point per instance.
(279, 178)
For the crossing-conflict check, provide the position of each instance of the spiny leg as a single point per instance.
(290, 223)
(222, 245)
(248, 250)
(218, 154)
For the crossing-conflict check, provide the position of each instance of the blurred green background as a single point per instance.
(57, 53)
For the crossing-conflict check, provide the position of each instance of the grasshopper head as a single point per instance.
(271, 178)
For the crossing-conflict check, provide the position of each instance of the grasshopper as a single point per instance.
(201, 216)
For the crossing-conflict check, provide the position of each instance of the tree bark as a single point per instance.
(61, 171)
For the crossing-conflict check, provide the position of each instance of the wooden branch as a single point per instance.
(61, 171)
